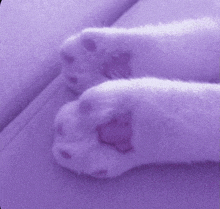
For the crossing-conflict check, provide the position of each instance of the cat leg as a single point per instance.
(121, 124)
(185, 50)
(88, 61)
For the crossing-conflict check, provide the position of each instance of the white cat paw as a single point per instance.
(93, 135)
(92, 57)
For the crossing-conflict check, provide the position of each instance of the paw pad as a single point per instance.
(73, 79)
(89, 44)
(65, 154)
(124, 147)
(67, 57)
(118, 132)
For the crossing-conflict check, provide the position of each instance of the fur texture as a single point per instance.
(186, 50)
(121, 124)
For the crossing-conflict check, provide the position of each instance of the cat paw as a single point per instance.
(93, 135)
(91, 158)
(94, 56)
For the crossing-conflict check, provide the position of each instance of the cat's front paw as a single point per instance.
(97, 160)
(94, 134)
(94, 56)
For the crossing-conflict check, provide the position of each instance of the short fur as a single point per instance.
(185, 50)
(170, 121)
(118, 125)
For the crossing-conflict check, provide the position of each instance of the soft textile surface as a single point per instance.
(31, 33)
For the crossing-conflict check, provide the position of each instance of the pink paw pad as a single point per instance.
(65, 154)
(73, 79)
(117, 133)
(67, 57)
(124, 147)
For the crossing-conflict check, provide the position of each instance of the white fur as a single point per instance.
(186, 50)
(172, 121)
